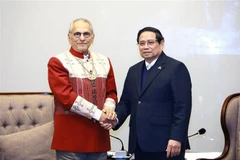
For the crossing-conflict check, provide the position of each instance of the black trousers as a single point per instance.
(142, 155)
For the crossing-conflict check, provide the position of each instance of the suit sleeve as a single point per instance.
(123, 108)
(182, 94)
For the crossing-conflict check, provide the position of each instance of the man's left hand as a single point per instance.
(173, 148)
(111, 115)
(108, 125)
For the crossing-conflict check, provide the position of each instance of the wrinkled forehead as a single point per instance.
(81, 26)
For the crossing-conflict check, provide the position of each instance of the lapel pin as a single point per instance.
(159, 67)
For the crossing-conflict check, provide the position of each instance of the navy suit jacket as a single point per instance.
(161, 110)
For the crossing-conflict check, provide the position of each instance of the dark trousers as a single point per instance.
(142, 155)
(61, 155)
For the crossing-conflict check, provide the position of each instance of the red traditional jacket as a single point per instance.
(77, 99)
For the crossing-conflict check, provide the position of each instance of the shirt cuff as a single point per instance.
(97, 114)
(109, 103)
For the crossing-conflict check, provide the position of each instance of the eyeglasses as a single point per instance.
(148, 42)
(78, 34)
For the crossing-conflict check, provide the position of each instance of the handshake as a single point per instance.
(108, 119)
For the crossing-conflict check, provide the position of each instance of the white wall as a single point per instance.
(205, 35)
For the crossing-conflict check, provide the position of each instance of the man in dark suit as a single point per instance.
(157, 95)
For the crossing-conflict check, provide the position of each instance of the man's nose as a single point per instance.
(146, 45)
(82, 37)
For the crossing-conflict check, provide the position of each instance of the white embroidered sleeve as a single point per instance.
(83, 107)
(97, 114)
(109, 103)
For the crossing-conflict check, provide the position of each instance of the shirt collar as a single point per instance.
(78, 54)
(149, 65)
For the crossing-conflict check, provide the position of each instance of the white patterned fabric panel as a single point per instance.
(75, 69)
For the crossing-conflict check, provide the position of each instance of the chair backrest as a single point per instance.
(230, 121)
(23, 111)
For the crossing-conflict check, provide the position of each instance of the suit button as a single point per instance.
(139, 102)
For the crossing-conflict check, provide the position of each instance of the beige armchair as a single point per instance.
(26, 126)
(230, 122)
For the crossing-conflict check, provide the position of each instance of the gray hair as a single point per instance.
(80, 19)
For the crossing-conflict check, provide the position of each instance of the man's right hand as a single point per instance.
(110, 113)
(106, 123)
(103, 117)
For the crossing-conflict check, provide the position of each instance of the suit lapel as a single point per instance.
(139, 76)
(154, 71)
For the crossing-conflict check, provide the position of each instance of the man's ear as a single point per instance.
(69, 38)
(93, 38)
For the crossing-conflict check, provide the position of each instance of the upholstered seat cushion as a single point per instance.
(29, 144)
